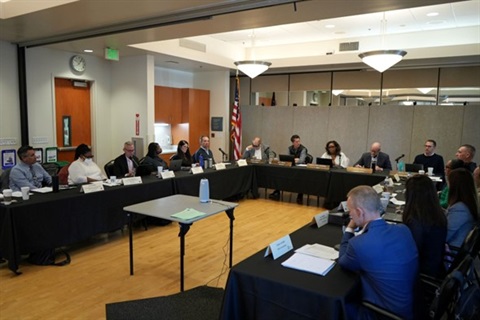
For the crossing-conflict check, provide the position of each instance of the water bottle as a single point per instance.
(386, 183)
(200, 161)
(374, 165)
(55, 183)
(204, 192)
(210, 163)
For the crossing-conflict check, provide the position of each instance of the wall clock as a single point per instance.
(78, 63)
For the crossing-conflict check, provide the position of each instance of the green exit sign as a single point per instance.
(112, 54)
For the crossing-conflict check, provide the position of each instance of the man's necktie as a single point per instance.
(35, 181)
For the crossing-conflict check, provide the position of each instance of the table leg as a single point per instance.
(130, 234)
(230, 215)
(183, 231)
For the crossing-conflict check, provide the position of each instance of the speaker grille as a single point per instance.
(349, 46)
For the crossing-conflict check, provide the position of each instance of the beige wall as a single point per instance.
(401, 130)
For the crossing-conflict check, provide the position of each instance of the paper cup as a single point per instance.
(421, 171)
(113, 179)
(7, 196)
(430, 171)
(25, 193)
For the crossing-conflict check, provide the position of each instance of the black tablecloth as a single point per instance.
(293, 179)
(261, 288)
(53, 220)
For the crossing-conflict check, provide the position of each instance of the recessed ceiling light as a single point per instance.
(432, 14)
(88, 50)
(330, 26)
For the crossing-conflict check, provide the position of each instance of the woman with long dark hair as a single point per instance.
(334, 151)
(462, 212)
(427, 222)
(183, 153)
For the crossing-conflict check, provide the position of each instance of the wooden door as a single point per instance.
(72, 113)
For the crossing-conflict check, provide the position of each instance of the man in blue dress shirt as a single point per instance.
(28, 173)
(385, 255)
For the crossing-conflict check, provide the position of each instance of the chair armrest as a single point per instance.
(380, 310)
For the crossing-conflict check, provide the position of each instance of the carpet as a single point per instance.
(200, 303)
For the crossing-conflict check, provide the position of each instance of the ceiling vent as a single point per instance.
(348, 46)
(193, 45)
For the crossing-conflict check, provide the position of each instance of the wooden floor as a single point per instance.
(99, 271)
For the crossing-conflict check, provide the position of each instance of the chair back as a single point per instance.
(308, 158)
(469, 246)
(52, 168)
(108, 167)
(63, 175)
(5, 179)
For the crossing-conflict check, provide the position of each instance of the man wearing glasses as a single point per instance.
(430, 159)
(125, 164)
(28, 173)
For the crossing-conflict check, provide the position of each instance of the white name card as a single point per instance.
(196, 170)
(321, 219)
(378, 188)
(92, 187)
(279, 247)
(220, 166)
(397, 177)
(132, 180)
(242, 163)
(167, 174)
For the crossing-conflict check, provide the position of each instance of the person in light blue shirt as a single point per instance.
(462, 211)
(28, 173)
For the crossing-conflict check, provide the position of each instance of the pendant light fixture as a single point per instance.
(252, 68)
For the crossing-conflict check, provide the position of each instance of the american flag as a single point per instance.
(236, 135)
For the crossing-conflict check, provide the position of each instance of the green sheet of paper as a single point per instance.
(188, 214)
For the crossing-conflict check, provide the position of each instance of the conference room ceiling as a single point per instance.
(290, 34)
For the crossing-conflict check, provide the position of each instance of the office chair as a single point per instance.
(108, 167)
(52, 168)
(5, 179)
(413, 167)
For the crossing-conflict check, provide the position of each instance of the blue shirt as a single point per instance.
(460, 222)
(24, 175)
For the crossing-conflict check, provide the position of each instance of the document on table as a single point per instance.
(319, 251)
(188, 214)
(43, 190)
(308, 263)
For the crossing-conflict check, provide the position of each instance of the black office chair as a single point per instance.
(108, 167)
(52, 168)
(469, 247)
(413, 167)
(380, 312)
(5, 179)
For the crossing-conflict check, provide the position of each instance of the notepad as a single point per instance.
(308, 263)
(319, 251)
(188, 214)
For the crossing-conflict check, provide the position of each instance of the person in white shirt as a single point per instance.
(83, 169)
(334, 152)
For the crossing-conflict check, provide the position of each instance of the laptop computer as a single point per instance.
(143, 170)
(325, 162)
(175, 165)
(287, 158)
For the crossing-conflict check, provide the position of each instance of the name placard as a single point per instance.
(167, 174)
(359, 170)
(378, 188)
(318, 166)
(196, 170)
(92, 187)
(132, 180)
(279, 247)
(321, 219)
(242, 163)
(220, 166)
(284, 163)
(397, 177)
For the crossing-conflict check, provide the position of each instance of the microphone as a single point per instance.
(223, 152)
(396, 160)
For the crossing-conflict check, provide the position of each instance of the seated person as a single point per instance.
(430, 159)
(83, 169)
(204, 150)
(381, 160)
(183, 153)
(257, 150)
(125, 164)
(462, 211)
(451, 165)
(427, 222)
(153, 157)
(334, 151)
(28, 173)
(466, 153)
(385, 256)
(300, 153)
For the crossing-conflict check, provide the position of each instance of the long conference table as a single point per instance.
(54, 220)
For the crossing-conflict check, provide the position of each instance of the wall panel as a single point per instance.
(311, 124)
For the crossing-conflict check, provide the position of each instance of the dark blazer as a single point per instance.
(383, 160)
(204, 154)
(120, 166)
(386, 257)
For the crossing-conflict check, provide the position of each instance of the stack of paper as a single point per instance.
(188, 214)
(314, 258)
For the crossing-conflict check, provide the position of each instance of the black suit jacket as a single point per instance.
(120, 166)
(383, 160)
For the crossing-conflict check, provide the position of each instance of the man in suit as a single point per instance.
(384, 254)
(204, 150)
(257, 150)
(125, 164)
(381, 160)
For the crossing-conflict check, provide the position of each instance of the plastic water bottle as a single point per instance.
(374, 165)
(200, 160)
(204, 192)
(386, 183)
